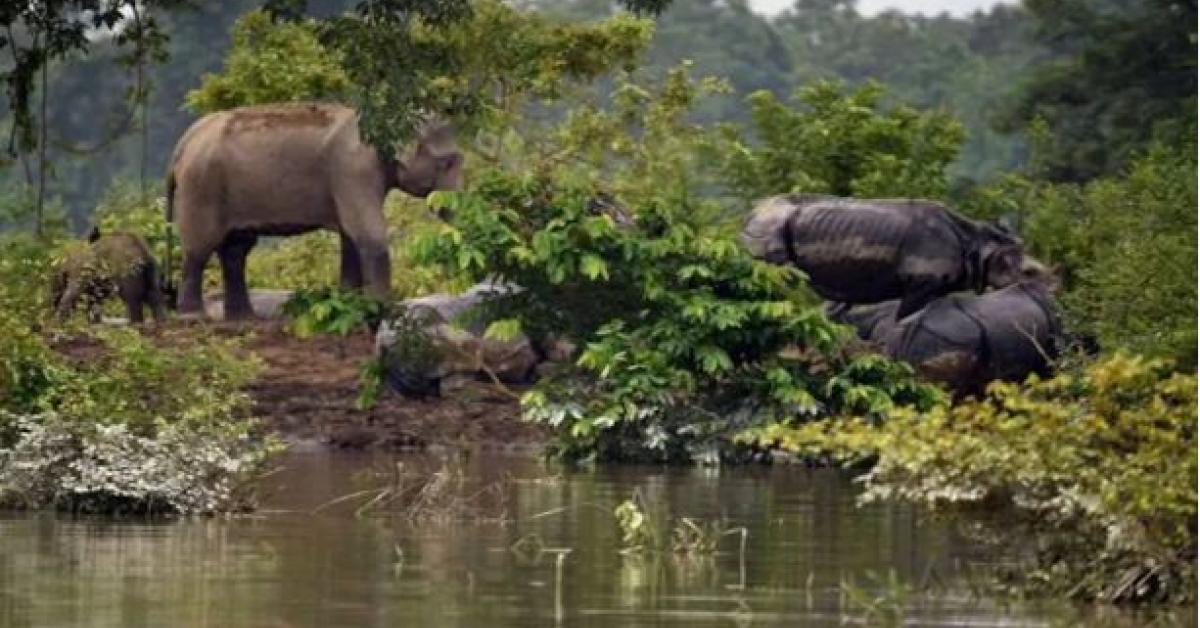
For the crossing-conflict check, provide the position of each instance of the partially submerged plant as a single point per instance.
(643, 529)
(442, 496)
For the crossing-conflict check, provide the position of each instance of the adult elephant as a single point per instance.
(868, 251)
(288, 169)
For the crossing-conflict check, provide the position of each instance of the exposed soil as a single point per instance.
(308, 390)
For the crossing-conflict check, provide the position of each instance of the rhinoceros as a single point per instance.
(279, 170)
(871, 322)
(966, 341)
(453, 351)
(867, 251)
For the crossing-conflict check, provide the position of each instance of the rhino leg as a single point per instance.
(351, 272)
(233, 254)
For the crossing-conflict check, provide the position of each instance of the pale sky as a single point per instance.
(871, 7)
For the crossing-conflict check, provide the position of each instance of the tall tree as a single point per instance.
(1128, 73)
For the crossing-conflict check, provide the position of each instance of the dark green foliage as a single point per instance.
(332, 311)
(843, 144)
(1125, 247)
(687, 338)
(1128, 75)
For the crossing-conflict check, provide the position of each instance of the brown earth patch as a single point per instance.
(309, 387)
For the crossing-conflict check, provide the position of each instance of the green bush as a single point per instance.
(271, 62)
(1095, 470)
(331, 311)
(106, 419)
(687, 339)
(843, 144)
(1125, 247)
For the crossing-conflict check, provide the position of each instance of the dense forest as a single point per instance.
(613, 154)
(968, 68)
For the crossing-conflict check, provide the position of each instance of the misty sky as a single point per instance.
(871, 7)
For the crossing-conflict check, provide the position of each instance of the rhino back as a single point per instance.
(943, 326)
(850, 249)
(270, 168)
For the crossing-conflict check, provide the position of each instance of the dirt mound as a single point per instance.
(309, 387)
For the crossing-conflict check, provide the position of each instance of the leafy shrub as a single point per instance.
(842, 144)
(331, 311)
(1125, 246)
(1097, 467)
(132, 380)
(686, 336)
(271, 62)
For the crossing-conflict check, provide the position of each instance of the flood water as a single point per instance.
(492, 558)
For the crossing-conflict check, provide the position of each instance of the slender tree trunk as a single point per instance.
(41, 192)
(143, 99)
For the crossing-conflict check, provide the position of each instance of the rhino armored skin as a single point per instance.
(966, 341)
(279, 170)
(867, 251)
(115, 263)
(461, 352)
(873, 323)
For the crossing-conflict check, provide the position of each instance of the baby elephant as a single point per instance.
(115, 263)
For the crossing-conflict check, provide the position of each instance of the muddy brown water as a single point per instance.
(491, 558)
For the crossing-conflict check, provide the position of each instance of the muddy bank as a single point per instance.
(308, 389)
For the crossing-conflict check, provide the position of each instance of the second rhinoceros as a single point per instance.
(966, 341)
(868, 251)
(423, 348)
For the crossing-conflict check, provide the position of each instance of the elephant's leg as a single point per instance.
(66, 302)
(377, 268)
(233, 254)
(352, 272)
(191, 297)
(151, 294)
(131, 292)
(134, 306)
(360, 215)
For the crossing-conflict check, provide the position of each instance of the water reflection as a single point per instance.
(288, 567)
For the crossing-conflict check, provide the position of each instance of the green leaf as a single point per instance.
(593, 267)
(504, 329)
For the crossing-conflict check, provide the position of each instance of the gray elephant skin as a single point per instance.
(966, 340)
(116, 263)
(279, 170)
(868, 251)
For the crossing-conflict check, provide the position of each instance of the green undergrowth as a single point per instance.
(1094, 470)
(118, 420)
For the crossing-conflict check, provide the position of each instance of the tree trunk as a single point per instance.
(41, 192)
